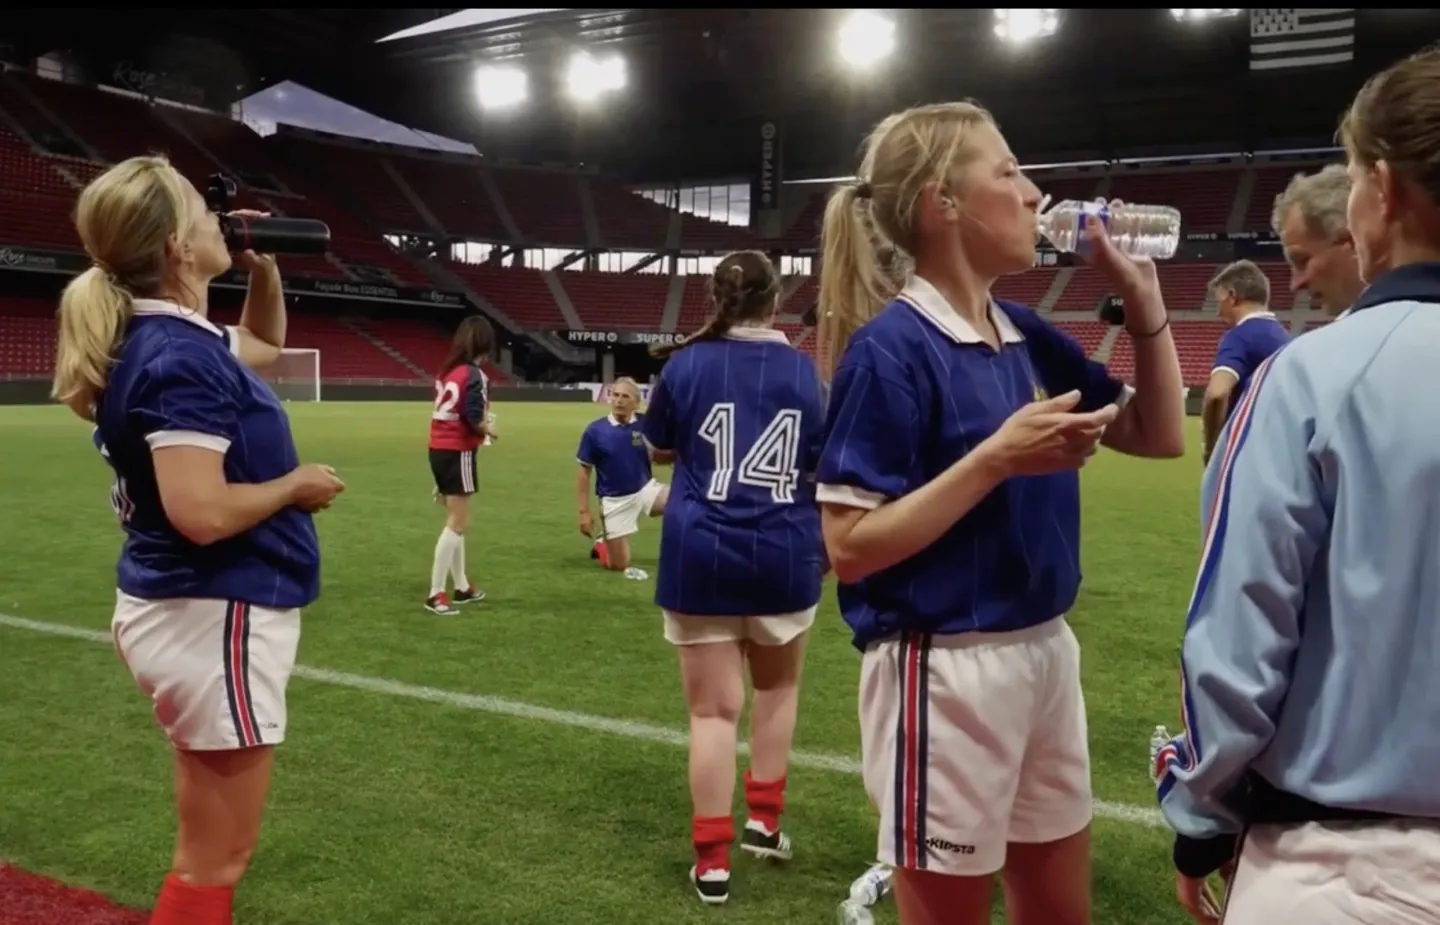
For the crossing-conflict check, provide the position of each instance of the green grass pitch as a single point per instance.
(518, 764)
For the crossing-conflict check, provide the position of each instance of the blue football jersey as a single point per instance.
(744, 417)
(916, 390)
(616, 452)
(1244, 347)
(176, 382)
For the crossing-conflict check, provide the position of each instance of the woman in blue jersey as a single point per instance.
(614, 450)
(738, 410)
(220, 553)
(950, 508)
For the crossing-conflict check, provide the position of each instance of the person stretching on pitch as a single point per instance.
(613, 448)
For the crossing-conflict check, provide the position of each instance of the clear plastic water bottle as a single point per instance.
(852, 913)
(873, 884)
(1140, 231)
(1158, 740)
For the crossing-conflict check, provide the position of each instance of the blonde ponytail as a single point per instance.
(853, 286)
(93, 313)
(868, 237)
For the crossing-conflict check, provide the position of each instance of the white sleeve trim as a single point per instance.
(1225, 369)
(653, 448)
(233, 335)
(849, 496)
(584, 463)
(162, 439)
(1127, 392)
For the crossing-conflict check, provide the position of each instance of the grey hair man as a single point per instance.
(1242, 294)
(1309, 218)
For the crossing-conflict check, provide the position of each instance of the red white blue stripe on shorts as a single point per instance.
(912, 752)
(237, 675)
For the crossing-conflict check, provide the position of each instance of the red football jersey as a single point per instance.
(462, 400)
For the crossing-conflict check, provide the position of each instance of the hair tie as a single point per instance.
(863, 190)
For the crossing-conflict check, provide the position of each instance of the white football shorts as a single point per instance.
(972, 741)
(774, 630)
(216, 670)
(621, 515)
(1337, 873)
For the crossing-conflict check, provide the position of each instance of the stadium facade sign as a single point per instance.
(618, 338)
(69, 263)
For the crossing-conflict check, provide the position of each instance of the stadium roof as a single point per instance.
(1111, 82)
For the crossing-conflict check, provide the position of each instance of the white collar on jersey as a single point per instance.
(931, 305)
(1253, 315)
(161, 307)
(614, 421)
(749, 332)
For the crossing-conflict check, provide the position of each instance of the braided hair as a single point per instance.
(744, 287)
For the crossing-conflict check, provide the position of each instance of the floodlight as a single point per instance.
(1202, 15)
(501, 86)
(866, 38)
(589, 77)
(1019, 26)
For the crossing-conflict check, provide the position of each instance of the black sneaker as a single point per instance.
(713, 886)
(439, 605)
(471, 595)
(762, 843)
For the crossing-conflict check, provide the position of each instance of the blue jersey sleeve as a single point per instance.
(186, 398)
(1062, 363)
(1232, 355)
(477, 398)
(872, 433)
(658, 423)
(588, 454)
(1243, 627)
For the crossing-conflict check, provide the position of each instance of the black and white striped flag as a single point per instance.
(1283, 39)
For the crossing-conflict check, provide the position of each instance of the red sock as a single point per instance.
(712, 836)
(182, 903)
(766, 801)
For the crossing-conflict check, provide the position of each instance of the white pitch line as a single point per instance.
(498, 706)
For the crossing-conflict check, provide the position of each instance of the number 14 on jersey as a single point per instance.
(771, 463)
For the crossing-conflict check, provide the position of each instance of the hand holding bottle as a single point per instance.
(1134, 278)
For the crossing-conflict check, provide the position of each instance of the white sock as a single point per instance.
(457, 562)
(444, 556)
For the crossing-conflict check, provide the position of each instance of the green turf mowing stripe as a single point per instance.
(483, 703)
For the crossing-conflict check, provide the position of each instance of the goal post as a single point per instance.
(296, 375)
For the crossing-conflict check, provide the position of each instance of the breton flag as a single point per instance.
(1284, 39)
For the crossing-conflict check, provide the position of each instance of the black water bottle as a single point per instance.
(267, 235)
(275, 235)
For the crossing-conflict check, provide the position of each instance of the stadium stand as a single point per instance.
(54, 137)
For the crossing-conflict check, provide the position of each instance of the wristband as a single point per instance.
(1154, 333)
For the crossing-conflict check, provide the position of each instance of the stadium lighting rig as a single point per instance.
(1020, 26)
(865, 38)
(501, 86)
(589, 77)
(1202, 15)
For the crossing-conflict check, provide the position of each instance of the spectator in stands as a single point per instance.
(1309, 219)
(220, 551)
(1310, 692)
(739, 412)
(1242, 294)
(950, 511)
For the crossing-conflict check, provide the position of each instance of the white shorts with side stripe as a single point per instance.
(216, 670)
(973, 741)
(620, 515)
(1338, 873)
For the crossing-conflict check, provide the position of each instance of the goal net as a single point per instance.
(296, 375)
